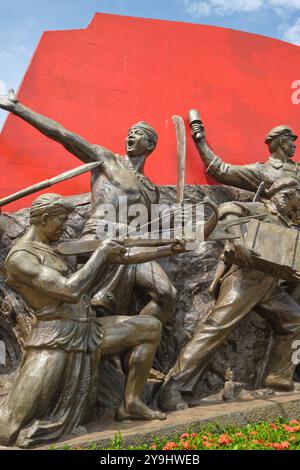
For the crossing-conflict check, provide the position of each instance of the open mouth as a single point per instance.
(130, 143)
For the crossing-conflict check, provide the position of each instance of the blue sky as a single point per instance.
(23, 21)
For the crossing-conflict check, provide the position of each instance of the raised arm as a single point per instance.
(241, 176)
(26, 268)
(72, 142)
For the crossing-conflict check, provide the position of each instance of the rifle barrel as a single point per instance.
(50, 182)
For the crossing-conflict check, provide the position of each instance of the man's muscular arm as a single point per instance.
(241, 176)
(198, 134)
(26, 268)
(138, 255)
(55, 131)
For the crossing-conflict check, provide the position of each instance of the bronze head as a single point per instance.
(285, 195)
(141, 139)
(48, 214)
(281, 138)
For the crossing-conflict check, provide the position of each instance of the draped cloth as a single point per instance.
(55, 390)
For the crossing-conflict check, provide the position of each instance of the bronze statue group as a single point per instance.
(54, 392)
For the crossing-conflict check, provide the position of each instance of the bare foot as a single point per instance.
(156, 375)
(138, 410)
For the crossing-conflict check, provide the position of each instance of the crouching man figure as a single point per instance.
(54, 392)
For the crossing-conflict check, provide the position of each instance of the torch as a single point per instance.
(195, 123)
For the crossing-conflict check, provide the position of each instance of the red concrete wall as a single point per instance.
(120, 70)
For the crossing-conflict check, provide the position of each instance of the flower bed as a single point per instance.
(279, 435)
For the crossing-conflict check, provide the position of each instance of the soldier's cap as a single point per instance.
(280, 132)
(281, 185)
(149, 130)
(50, 203)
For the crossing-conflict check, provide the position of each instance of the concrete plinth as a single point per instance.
(239, 413)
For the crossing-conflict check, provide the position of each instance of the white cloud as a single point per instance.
(285, 9)
(287, 4)
(292, 34)
(198, 9)
(220, 7)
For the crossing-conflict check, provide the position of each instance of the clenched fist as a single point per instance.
(7, 102)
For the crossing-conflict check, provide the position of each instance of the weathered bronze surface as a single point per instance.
(246, 350)
(54, 392)
(116, 176)
(280, 142)
(244, 289)
(276, 254)
(181, 156)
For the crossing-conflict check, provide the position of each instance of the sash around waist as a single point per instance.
(72, 334)
(66, 312)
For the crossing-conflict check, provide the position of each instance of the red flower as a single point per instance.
(206, 444)
(253, 433)
(294, 421)
(225, 439)
(255, 441)
(193, 434)
(273, 426)
(288, 428)
(291, 428)
(205, 438)
(170, 446)
(154, 447)
(281, 445)
(239, 434)
(186, 445)
(184, 436)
